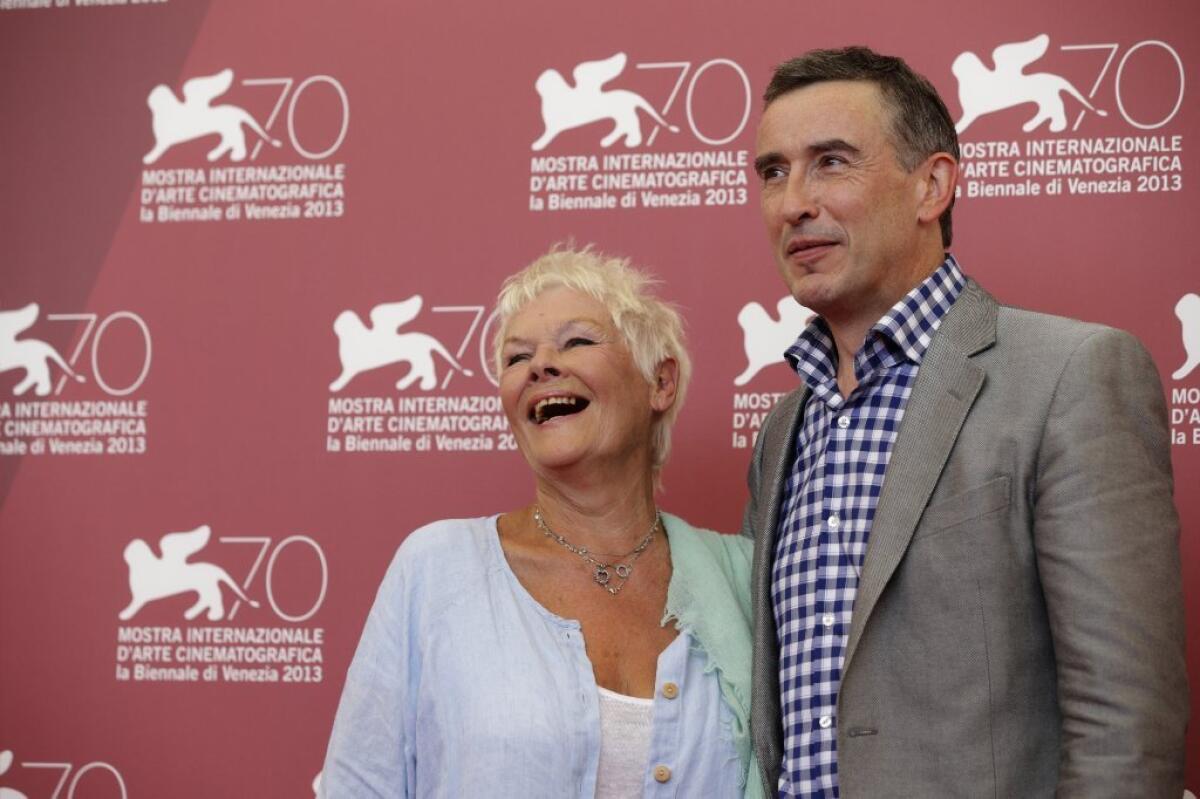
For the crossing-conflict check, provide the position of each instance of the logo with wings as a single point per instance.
(153, 577)
(984, 91)
(1188, 311)
(362, 348)
(176, 122)
(565, 107)
(30, 354)
(765, 338)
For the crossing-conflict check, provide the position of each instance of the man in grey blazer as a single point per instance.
(966, 576)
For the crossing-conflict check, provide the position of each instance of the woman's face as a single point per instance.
(571, 389)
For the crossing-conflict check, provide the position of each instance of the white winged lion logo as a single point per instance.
(363, 348)
(6, 759)
(152, 577)
(765, 339)
(565, 107)
(1188, 311)
(175, 122)
(30, 354)
(984, 91)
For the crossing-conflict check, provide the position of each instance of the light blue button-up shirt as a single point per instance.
(464, 685)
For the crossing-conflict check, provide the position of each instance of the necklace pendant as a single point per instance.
(602, 573)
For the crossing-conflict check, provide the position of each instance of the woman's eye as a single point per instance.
(516, 358)
(579, 341)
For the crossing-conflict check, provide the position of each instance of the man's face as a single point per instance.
(840, 209)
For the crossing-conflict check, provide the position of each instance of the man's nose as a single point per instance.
(798, 201)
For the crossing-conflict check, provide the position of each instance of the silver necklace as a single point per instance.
(602, 573)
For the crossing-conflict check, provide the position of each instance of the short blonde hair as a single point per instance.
(651, 328)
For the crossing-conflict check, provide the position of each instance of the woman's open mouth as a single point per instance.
(550, 407)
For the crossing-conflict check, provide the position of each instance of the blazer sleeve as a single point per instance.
(750, 515)
(770, 450)
(1106, 536)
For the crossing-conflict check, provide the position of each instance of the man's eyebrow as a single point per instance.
(829, 145)
(766, 159)
(816, 148)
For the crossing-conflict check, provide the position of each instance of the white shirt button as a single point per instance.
(828, 619)
(843, 422)
(833, 521)
(825, 722)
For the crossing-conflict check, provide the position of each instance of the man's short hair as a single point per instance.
(921, 125)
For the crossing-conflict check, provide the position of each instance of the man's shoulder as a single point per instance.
(1017, 325)
(1041, 346)
(1018, 317)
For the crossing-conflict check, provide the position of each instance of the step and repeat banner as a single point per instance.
(248, 257)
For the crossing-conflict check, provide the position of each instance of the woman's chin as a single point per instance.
(552, 460)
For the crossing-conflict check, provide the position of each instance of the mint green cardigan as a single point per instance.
(709, 595)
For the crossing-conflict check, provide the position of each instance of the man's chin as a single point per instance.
(813, 291)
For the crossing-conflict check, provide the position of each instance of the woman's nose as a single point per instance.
(544, 364)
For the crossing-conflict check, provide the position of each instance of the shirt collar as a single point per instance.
(911, 323)
(904, 331)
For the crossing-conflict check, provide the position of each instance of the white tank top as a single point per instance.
(625, 727)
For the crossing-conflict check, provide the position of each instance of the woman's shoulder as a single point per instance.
(441, 552)
(720, 545)
(436, 538)
(709, 594)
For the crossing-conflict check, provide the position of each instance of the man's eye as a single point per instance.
(831, 160)
(771, 173)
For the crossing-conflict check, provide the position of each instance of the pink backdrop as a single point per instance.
(199, 316)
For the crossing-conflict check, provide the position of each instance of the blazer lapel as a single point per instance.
(946, 388)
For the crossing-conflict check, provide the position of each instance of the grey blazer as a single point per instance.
(1018, 629)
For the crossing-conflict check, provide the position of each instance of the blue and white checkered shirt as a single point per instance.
(842, 452)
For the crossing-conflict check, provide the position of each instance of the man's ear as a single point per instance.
(939, 176)
(666, 383)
